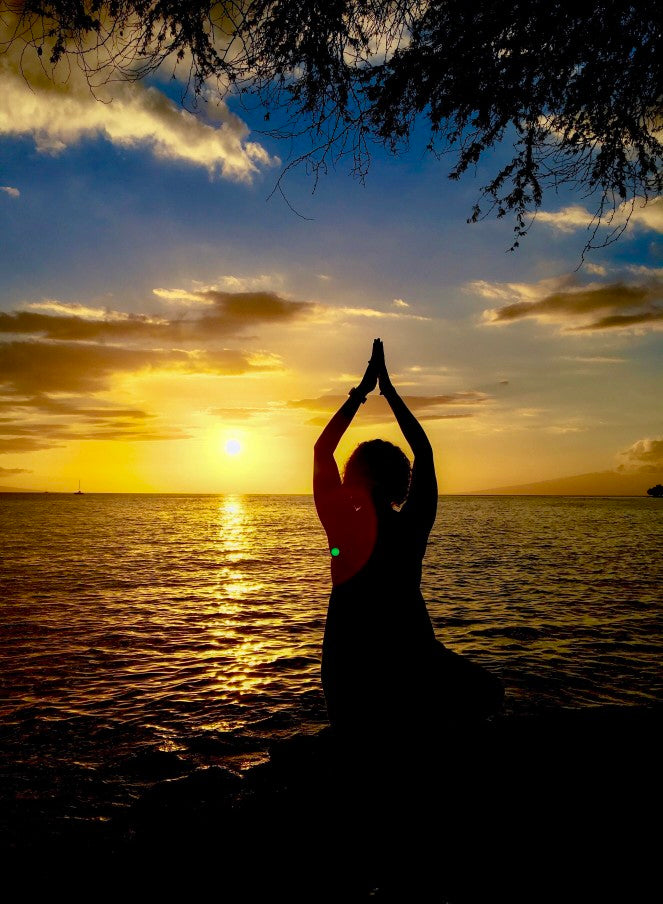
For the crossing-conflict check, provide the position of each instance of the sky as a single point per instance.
(159, 299)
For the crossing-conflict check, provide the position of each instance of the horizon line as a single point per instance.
(20, 492)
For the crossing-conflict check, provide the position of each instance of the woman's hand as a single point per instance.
(378, 360)
(370, 379)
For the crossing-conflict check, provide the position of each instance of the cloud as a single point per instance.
(69, 406)
(180, 295)
(74, 327)
(30, 437)
(222, 314)
(5, 471)
(48, 431)
(75, 309)
(595, 359)
(621, 321)
(376, 410)
(522, 291)
(70, 418)
(562, 429)
(258, 301)
(217, 314)
(23, 444)
(340, 313)
(637, 213)
(57, 357)
(57, 108)
(45, 367)
(567, 219)
(9, 190)
(239, 309)
(621, 304)
(264, 281)
(644, 456)
(237, 414)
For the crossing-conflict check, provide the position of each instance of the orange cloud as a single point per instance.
(23, 444)
(31, 371)
(35, 367)
(72, 352)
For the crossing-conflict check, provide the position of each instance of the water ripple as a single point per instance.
(158, 620)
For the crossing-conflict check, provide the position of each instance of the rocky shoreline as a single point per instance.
(557, 806)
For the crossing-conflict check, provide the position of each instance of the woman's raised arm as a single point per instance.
(422, 497)
(326, 479)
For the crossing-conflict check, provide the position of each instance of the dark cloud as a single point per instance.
(620, 321)
(72, 360)
(225, 314)
(36, 367)
(72, 406)
(73, 354)
(25, 436)
(377, 410)
(242, 308)
(78, 328)
(620, 304)
(24, 444)
(5, 471)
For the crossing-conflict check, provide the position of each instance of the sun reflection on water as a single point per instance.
(238, 596)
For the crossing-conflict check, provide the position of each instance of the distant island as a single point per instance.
(600, 483)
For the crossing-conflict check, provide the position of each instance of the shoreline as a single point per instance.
(560, 797)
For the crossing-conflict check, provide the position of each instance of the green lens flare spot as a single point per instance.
(335, 551)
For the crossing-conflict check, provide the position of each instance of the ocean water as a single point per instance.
(142, 636)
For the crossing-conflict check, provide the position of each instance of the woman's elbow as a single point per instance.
(321, 448)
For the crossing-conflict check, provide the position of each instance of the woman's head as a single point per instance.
(380, 468)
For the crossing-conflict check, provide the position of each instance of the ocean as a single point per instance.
(147, 635)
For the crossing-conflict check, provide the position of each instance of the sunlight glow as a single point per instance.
(233, 447)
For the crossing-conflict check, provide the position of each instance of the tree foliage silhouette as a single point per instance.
(576, 88)
(656, 491)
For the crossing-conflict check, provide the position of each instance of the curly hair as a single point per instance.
(381, 467)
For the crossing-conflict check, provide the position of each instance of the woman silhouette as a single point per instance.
(381, 664)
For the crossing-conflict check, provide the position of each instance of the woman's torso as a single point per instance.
(378, 629)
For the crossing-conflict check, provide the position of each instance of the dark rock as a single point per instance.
(154, 764)
(203, 787)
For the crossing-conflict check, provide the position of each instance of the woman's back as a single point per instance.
(378, 631)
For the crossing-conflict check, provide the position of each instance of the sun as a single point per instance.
(233, 447)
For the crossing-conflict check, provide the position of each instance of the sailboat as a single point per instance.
(79, 492)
